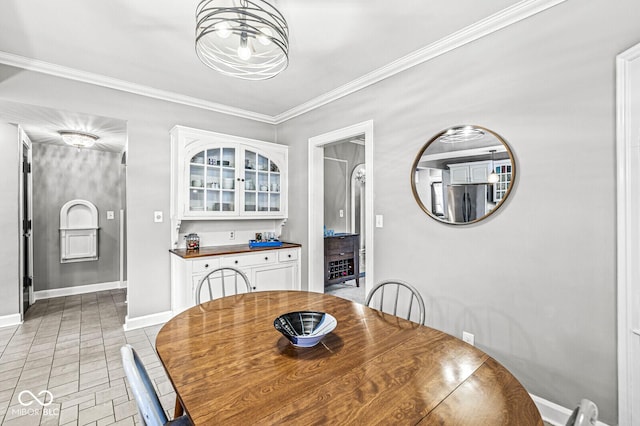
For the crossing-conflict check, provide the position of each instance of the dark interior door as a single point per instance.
(26, 231)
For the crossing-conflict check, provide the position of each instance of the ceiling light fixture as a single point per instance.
(461, 134)
(493, 176)
(78, 139)
(247, 39)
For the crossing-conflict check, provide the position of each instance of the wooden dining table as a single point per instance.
(230, 366)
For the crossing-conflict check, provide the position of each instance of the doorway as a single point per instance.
(26, 213)
(316, 201)
(628, 234)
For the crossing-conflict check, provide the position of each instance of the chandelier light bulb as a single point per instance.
(244, 52)
(223, 29)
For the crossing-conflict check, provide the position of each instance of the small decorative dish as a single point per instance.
(305, 328)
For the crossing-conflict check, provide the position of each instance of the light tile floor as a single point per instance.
(70, 346)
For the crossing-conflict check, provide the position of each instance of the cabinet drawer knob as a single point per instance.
(236, 262)
(254, 288)
(266, 258)
(206, 265)
(289, 255)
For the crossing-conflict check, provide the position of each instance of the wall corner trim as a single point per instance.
(9, 320)
(147, 320)
(554, 414)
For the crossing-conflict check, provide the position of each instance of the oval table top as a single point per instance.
(229, 365)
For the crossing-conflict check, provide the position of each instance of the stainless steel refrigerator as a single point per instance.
(466, 202)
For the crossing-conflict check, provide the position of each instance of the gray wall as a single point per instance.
(148, 167)
(62, 174)
(9, 221)
(337, 183)
(536, 282)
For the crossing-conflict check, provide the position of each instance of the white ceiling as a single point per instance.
(151, 43)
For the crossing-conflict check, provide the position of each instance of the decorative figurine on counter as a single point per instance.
(193, 242)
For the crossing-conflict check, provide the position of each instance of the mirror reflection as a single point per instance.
(463, 174)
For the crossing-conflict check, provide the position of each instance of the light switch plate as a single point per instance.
(110, 215)
(157, 216)
(379, 221)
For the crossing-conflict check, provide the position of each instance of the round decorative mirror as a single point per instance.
(463, 174)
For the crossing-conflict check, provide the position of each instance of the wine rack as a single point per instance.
(341, 259)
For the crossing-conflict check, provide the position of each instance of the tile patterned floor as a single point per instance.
(70, 346)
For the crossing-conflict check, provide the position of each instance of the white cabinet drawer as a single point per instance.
(204, 265)
(264, 258)
(287, 255)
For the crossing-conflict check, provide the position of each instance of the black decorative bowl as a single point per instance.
(305, 328)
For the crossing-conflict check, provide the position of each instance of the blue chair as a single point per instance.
(147, 400)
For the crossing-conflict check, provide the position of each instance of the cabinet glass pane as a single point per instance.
(274, 182)
(250, 180)
(274, 203)
(213, 157)
(249, 201)
(196, 199)
(263, 181)
(227, 201)
(250, 160)
(197, 176)
(263, 163)
(213, 201)
(274, 167)
(229, 157)
(263, 201)
(228, 179)
(213, 177)
(198, 158)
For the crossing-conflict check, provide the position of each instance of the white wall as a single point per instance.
(61, 174)
(9, 221)
(535, 282)
(148, 168)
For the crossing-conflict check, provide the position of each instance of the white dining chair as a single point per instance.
(221, 282)
(149, 406)
(392, 296)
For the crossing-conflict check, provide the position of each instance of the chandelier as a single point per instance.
(247, 39)
(78, 139)
(461, 134)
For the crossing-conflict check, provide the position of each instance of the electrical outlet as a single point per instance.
(110, 215)
(232, 235)
(157, 216)
(468, 337)
(341, 213)
(379, 221)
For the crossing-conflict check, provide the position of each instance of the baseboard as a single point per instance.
(553, 413)
(72, 291)
(9, 320)
(146, 320)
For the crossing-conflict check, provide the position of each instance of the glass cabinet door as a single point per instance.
(261, 183)
(212, 180)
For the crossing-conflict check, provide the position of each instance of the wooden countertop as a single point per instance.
(230, 249)
(229, 365)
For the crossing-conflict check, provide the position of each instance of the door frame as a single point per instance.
(316, 201)
(628, 233)
(24, 143)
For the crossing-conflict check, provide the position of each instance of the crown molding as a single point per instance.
(126, 86)
(508, 16)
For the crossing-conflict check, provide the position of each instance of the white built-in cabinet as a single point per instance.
(475, 172)
(217, 176)
(274, 269)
